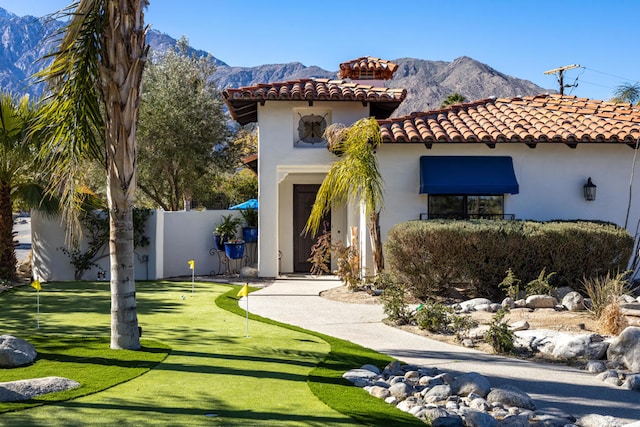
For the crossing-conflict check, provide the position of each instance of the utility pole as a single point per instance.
(560, 72)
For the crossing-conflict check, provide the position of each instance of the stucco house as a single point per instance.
(520, 158)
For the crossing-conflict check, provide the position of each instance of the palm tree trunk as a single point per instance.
(7, 252)
(376, 244)
(124, 54)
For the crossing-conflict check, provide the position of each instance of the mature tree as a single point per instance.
(17, 160)
(354, 177)
(627, 92)
(453, 99)
(95, 84)
(183, 132)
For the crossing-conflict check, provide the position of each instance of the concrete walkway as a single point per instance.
(297, 302)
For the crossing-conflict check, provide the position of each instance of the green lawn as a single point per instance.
(213, 375)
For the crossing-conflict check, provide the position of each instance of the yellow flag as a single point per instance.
(192, 264)
(244, 292)
(36, 285)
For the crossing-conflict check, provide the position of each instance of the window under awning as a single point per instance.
(471, 175)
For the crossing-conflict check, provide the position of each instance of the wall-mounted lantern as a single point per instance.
(589, 190)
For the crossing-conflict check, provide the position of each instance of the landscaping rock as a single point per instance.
(14, 391)
(470, 305)
(625, 349)
(471, 382)
(573, 301)
(594, 420)
(562, 345)
(15, 352)
(632, 382)
(442, 418)
(561, 292)
(360, 377)
(511, 396)
(438, 393)
(248, 272)
(401, 390)
(508, 302)
(475, 418)
(447, 401)
(540, 301)
(595, 366)
(520, 325)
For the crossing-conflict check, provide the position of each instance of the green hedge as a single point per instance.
(430, 256)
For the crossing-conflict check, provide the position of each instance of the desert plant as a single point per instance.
(394, 303)
(250, 217)
(511, 285)
(321, 254)
(227, 228)
(434, 316)
(347, 265)
(604, 290)
(612, 321)
(541, 285)
(461, 325)
(499, 336)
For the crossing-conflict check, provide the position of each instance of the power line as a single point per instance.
(609, 74)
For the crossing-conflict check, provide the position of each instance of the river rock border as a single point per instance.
(468, 400)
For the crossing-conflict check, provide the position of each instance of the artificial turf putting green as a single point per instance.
(213, 375)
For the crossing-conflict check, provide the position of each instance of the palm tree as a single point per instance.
(355, 177)
(453, 99)
(16, 155)
(627, 92)
(95, 83)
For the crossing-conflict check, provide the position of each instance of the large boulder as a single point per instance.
(14, 391)
(573, 301)
(471, 382)
(15, 352)
(625, 349)
(470, 305)
(541, 301)
(510, 396)
(562, 345)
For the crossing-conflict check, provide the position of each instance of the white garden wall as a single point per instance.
(175, 238)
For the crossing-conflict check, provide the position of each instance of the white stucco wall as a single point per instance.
(281, 165)
(175, 238)
(551, 179)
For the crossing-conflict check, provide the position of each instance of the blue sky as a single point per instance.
(521, 38)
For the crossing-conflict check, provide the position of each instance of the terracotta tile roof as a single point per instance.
(367, 68)
(242, 102)
(543, 118)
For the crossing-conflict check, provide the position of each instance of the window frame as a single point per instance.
(464, 213)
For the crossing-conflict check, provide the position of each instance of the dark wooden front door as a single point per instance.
(304, 196)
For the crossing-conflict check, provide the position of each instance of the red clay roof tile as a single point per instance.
(530, 119)
(242, 102)
(367, 68)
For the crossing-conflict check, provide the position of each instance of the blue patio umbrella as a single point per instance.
(249, 204)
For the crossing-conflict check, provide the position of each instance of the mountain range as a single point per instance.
(25, 40)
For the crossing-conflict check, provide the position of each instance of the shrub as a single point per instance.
(461, 325)
(499, 335)
(604, 290)
(434, 316)
(393, 302)
(348, 265)
(511, 285)
(611, 320)
(433, 255)
(541, 285)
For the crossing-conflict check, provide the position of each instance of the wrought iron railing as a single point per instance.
(424, 216)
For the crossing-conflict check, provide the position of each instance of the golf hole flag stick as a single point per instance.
(36, 285)
(192, 267)
(244, 292)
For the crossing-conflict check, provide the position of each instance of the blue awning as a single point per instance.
(472, 175)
